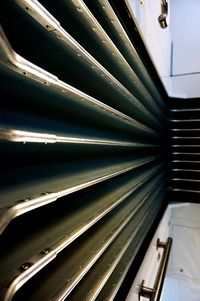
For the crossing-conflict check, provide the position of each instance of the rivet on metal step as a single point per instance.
(45, 251)
(25, 266)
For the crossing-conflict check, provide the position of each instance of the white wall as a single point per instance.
(184, 31)
(183, 281)
(158, 40)
(186, 86)
(148, 269)
(180, 290)
(185, 27)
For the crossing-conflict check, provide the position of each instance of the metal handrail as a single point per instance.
(163, 19)
(154, 293)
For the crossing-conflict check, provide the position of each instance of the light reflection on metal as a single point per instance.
(32, 137)
(163, 19)
(154, 293)
(16, 209)
(38, 262)
(9, 57)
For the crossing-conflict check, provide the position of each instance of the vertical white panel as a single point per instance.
(158, 40)
(185, 35)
